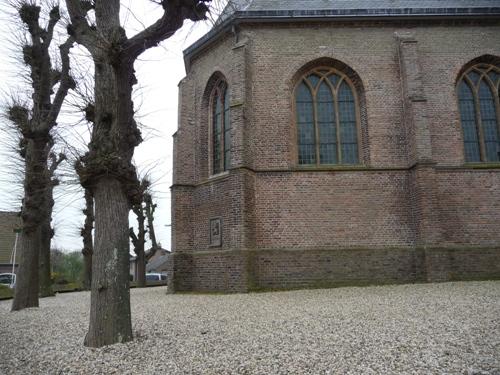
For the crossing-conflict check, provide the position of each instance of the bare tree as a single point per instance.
(35, 122)
(139, 239)
(47, 232)
(149, 210)
(86, 233)
(107, 168)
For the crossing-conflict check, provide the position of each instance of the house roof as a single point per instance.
(265, 5)
(238, 11)
(9, 221)
(158, 263)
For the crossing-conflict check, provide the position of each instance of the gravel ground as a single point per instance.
(450, 328)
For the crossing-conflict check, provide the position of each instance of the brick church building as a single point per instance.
(339, 142)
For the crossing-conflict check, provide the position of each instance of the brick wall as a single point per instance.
(286, 226)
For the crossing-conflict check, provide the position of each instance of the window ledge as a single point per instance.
(484, 165)
(218, 176)
(330, 167)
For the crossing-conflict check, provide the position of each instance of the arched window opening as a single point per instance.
(221, 129)
(478, 100)
(327, 113)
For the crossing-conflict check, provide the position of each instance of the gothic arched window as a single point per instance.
(221, 129)
(480, 113)
(327, 111)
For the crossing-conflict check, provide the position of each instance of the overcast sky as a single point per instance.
(158, 71)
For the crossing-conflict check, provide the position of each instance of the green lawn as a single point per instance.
(6, 292)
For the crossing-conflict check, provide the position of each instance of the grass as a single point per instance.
(6, 292)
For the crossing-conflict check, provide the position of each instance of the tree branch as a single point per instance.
(54, 17)
(133, 237)
(19, 115)
(66, 83)
(55, 161)
(175, 12)
(79, 28)
(30, 15)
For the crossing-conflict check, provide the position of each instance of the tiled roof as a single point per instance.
(269, 10)
(158, 263)
(8, 222)
(250, 5)
(353, 8)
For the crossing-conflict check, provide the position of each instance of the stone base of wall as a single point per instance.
(255, 270)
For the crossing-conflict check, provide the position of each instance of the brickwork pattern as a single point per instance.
(411, 211)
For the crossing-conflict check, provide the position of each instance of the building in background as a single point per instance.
(156, 263)
(328, 142)
(10, 223)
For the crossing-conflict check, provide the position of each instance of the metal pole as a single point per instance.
(13, 260)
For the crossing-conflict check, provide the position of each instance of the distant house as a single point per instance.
(9, 224)
(157, 263)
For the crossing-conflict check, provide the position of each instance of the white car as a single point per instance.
(156, 277)
(8, 279)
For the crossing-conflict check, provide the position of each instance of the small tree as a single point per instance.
(86, 233)
(149, 210)
(47, 232)
(139, 240)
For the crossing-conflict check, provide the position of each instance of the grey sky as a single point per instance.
(158, 71)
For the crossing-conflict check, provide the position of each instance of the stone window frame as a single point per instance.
(357, 87)
(482, 68)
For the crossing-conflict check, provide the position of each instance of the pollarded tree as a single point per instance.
(139, 239)
(86, 233)
(35, 123)
(149, 210)
(47, 232)
(107, 167)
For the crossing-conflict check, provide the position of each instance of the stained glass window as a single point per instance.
(327, 120)
(469, 127)
(221, 129)
(305, 125)
(479, 113)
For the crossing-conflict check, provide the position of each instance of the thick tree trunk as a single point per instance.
(44, 267)
(33, 215)
(110, 320)
(26, 291)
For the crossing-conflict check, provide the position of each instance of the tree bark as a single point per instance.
(44, 260)
(110, 320)
(26, 291)
(108, 172)
(47, 233)
(33, 215)
(87, 239)
(150, 211)
(141, 269)
(138, 241)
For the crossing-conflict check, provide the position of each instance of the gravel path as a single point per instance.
(450, 328)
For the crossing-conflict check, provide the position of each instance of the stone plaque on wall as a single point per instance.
(216, 232)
